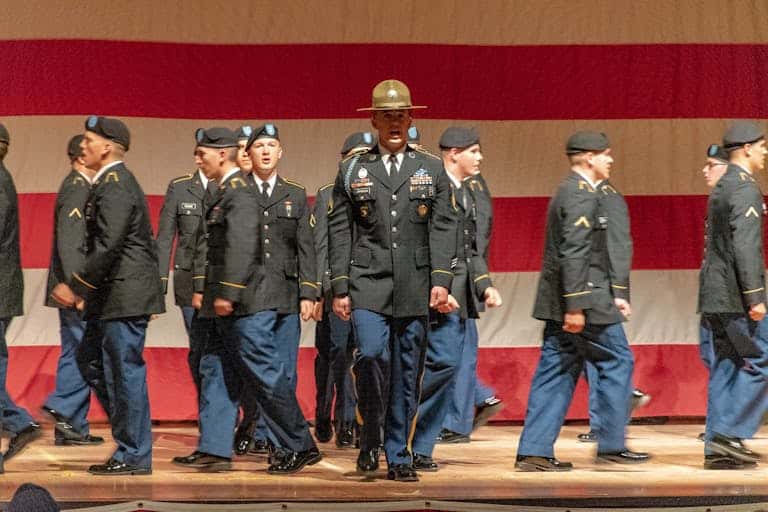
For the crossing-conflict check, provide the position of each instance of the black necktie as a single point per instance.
(265, 190)
(392, 165)
(210, 191)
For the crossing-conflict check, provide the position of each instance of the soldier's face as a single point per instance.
(243, 160)
(208, 160)
(713, 171)
(468, 160)
(265, 153)
(94, 147)
(756, 153)
(392, 126)
(601, 163)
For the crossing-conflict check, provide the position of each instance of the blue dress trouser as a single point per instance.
(72, 396)
(288, 336)
(219, 388)
(738, 379)
(266, 364)
(562, 361)
(334, 343)
(111, 361)
(468, 390)
(14, 418)
(447, 337)
(388, 366)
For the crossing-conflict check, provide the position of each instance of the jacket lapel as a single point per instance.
(411, 162)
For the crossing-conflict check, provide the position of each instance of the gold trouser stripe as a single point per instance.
(86, 283)
(576, 294)
(753, 291)
(422, 371)
(358, 415)
(484, 276)
(233, 285)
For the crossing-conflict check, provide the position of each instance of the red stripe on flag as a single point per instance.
(320, 81)
(668, 231)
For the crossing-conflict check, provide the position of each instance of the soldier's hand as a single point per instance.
(623, 307)
(79, 303)
(573, 321)
(317, 313)
(757, 311)
(492, 297)
(450, 306)
(307, 308)
(438, 297)
(197, 300)
(64, 295)
(342, 306)
(222, 307)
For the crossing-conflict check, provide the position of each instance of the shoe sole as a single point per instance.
(641, 402)
(730, 452)
(528, 467)
(486, 414)
(426, 470)
(409, 479)
(617, 460)
(458, 440)
(728, 466)
(310, 462)
(214, 467)
(136, 472)
(73, 442)
(585, 439)
(32, 438)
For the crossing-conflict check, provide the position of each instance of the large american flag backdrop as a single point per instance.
(659, 77)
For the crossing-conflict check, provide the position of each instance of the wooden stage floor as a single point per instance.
(482, 470)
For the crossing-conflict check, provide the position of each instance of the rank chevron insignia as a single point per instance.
(75, 213)
(582, 222)
(752, 211)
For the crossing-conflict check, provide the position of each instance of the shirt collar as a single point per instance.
(593, 184)
(203, 179)
(745, 169)
(456, 181)
(400, 154)
(271, 181)
(104, 169)
(228, 174)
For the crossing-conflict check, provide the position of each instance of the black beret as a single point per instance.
(414, 137)
(580, 142)
(109, 128)
(740, 133)
(267, 131)
(717, 152)
(32, 497)
(357, 140)
(244, 132)
(458, 137)
(73, 146)
(216, 137)
(4, 135)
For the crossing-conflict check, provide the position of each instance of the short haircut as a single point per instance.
(3, 150)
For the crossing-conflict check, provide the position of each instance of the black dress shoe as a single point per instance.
(291, 462)
(639, 399)
(587, 437)
(66, 435)
(625, 457)
(323, 431)
(368, 461)
(732, 447)
(204, 462)
(22, 439)
(485, 411)
(726, 462)
(536, 463)
(114, 467)
(243, 440)
(345, 435)
(259, 447)
(402, 473)
(450, 437)
(702, 436)
(424, 463)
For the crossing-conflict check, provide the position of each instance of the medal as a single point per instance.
(422, 210)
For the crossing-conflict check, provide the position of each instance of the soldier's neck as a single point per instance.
(264, 175)
(743, 163)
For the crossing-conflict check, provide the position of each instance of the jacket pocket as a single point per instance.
(422, 256)
(291, 268)
(361, 257)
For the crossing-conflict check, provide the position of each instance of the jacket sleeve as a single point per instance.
(443, 232)
(200, 256)
(340, 236)
(619, 241)
(746, 222)
(70, 227)
(114, 209)
(577, 220)
(481, 276)
(320, 233)
(308, 288)
(241, 245)
(166, 233)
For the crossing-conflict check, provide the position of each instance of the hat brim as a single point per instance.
(371, 109)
